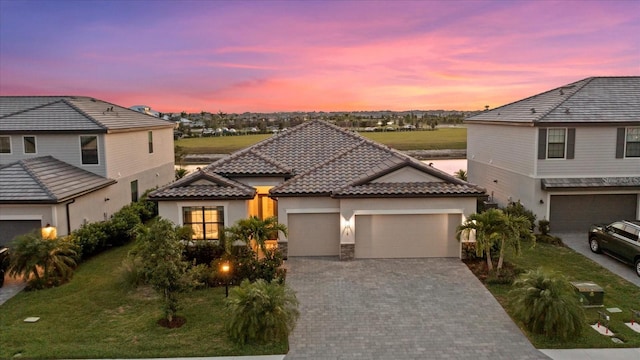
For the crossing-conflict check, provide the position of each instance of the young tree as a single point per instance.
(43, 262)
(488, 228)
(461, 174)
(160, 250)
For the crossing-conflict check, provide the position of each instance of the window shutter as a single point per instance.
(620, 140)
(542, 143)
(571, 143)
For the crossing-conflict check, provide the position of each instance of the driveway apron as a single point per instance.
(398, 309)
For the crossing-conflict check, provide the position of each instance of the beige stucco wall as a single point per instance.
(234, 210)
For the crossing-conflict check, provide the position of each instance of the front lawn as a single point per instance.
(93, 316)
(617, 293)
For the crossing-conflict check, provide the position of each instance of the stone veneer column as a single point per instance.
(283, 246)
(347, 251)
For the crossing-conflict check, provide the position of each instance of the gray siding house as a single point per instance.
(571, 154)
(67, 160)
(338, 193)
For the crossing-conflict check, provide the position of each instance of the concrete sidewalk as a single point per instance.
(592, 354)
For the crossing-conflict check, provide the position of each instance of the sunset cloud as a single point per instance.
(237, 56)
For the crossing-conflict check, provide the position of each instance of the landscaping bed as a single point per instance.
(618, 293)
(94, 316)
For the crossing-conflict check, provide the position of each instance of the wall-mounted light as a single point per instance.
(106, 199)
(541, 201)
(495, 181)
(49, 232)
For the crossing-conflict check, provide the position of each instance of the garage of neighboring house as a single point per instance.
(314, 234)
(571, 213)
(406, 236)
(9, 229)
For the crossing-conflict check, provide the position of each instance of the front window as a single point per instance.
(205, 221)
(89, 149)
(29, 144)
(150, 140)
(556, 139)
(5, 144)
(632, 143)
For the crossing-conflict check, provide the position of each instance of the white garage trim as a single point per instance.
(312, 211)
(408, 212)
(21, 217)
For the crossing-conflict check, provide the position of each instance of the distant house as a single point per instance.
(69, 160)
(145, 110)
(570, 154)
(338, 193)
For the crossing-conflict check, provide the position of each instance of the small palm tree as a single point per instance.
(514, 229)
(43, 262)
(261, 312)
(254, 230)
(547, 304)
(461, 174)
(488, 227)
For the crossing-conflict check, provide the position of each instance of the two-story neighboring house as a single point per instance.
(69, 160)
(571, 154)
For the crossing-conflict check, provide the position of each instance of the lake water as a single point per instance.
(450, 166)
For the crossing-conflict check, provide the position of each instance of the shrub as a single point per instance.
(90, 238)
(202, 252)
(120, 227)
(131, 273)
(547, 304)
(543, 227)
(549, 239)
(253, 269)
(261, 312)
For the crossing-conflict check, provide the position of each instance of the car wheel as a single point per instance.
(638, 267)
(594, 245)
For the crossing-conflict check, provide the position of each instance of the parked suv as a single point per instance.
(4, 263)
(621, 239)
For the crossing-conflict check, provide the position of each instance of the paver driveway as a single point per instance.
(398, 309)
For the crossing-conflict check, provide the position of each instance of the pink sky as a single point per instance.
(265, 56)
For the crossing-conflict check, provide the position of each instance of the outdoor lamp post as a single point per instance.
(225, 270)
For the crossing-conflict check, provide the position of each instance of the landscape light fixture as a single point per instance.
(226, 268)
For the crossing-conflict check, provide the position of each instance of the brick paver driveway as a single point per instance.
(398, 309)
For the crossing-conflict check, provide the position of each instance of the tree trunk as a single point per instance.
(501, 258)
(489, 262)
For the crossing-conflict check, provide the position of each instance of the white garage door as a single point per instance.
(314, 235)
(570, 213)
(407, 236)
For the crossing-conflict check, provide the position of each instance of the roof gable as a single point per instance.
(595, 100)
(204, 185)
(46, 180)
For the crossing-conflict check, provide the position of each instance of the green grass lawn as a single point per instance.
(94, 317)
(445, 138)
(617, 293)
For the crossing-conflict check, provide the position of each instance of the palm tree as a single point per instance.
(488, 227)
(42, 259)
(255, 231)
(547, 304)
(461, 174)
(514, 229)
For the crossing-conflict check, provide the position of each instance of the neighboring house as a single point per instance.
(571, 154)
(145, 110)
(69, 160)
(338, 193)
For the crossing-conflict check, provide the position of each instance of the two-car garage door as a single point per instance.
(377, 236)
(407, 236)
(570, 213)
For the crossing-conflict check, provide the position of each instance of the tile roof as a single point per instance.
(46, 180)
(70, 114)
(320, 159)
(610, 100)
(581, 183)
(204, 185)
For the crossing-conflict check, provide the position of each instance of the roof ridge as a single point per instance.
(562, 101)
(26, 165)
(271, 161)
(81, 112)
(32, 108)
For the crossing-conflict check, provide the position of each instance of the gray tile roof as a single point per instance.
(320, 159)
(204, 185)
(19, 114)
(581, 183)
(594, 100)
(46, 180)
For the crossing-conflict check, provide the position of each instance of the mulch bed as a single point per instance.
(175, 323)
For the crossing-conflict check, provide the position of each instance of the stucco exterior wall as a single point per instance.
(511, 148)
(234, 210)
